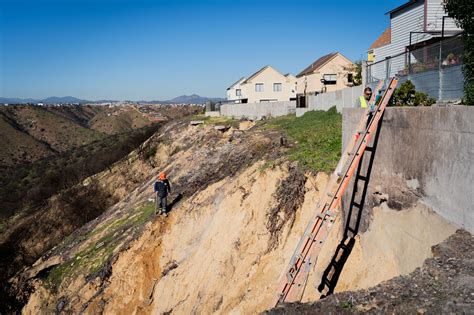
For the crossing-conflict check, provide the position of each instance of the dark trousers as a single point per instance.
(161, 203)
(369, 117)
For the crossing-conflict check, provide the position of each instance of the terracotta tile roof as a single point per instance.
(317, 64)
(384, 39)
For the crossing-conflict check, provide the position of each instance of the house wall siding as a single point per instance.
(408, 20)
(411, 19)
(231, 93)
(313, 81)
(268, 77)
(434, 21)
(378, 70)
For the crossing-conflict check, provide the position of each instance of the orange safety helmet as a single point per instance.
(162, 175)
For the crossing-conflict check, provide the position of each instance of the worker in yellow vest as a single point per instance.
(363, 101)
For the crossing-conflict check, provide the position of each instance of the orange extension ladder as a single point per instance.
(293, 281)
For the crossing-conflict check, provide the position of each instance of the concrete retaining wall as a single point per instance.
(258, 110)
(427, 154)
(341, 99)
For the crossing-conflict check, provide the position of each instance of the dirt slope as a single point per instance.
(130, 182)
(224, 246)
(118, 119)
(218, 247)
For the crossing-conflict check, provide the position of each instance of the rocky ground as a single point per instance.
(443, 285)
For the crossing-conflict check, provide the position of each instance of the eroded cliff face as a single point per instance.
(214, 255)
(211, 254)
(225, 245)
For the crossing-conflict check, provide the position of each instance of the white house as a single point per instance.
(328, 73)
(265, 85)
(411, 24)
(234, 92)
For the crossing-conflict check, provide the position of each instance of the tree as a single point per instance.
(356, 69)
(463, 12)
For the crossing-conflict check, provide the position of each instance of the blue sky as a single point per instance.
(156, 50)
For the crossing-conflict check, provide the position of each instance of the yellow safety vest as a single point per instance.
(363, 102)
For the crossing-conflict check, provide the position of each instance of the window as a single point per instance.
(258, 87)
(350, 78)
(238, 92)
(330, 78)
(276, 87)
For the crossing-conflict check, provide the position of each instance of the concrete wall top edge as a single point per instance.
(448, 119)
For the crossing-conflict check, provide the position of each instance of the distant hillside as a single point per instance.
(35, 132)
(183, 99)
(193, 99)
(19, 146)
(63, 100)
(31, 132)
(49, 100)
(120, 119)
(14, 100)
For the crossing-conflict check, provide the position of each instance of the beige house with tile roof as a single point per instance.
(326, 74)
(265, 85)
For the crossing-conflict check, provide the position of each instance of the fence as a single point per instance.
(258, 110)
(340, 98)
(435, 68)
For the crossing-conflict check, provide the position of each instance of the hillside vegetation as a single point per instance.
(50, 130)
(18, 146)
(27, 186)
(33, 132)
(317, 136)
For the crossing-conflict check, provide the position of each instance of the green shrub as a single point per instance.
(150, 153)
(461, 11)
(406, 95)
